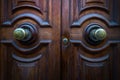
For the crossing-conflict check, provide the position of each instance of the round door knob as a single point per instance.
(65, 41)
(98, 34)
(21, 34)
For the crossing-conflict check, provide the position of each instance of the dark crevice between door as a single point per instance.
(61, 41)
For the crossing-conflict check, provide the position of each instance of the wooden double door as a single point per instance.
(59, 40)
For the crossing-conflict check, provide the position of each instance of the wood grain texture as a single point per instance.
(39, 60)
(47, 57)
(81, 60)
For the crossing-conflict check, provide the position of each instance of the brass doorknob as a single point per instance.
(98, 34)
(65, 41)
(21, 34)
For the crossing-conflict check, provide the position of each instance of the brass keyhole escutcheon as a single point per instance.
(65, 41)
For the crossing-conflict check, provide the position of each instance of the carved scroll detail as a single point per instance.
(27, 6)
(25, 50)
(94, 60)
(94, 1)
(95, 67)
(107, 44)
(94, 4)
(93, 16)
(29, 16)
(26, 60)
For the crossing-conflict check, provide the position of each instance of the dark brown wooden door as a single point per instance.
(37, 58)
(85, 58)
(61, 40)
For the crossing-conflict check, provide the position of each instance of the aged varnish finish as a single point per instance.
(37, 58)
(59, 40)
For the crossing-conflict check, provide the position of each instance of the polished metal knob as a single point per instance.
(98, 34)
(21, 34)
(65, 41)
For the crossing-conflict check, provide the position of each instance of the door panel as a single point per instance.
(83, 59)
(39, 57)
(61, 40)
